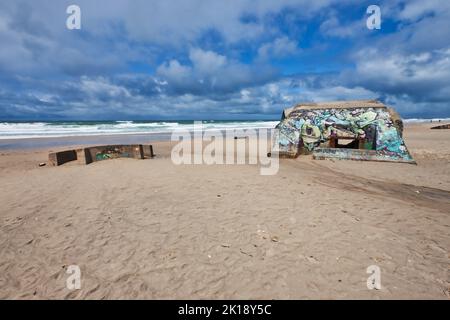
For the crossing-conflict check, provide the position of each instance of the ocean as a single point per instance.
(25, 135)
(55, 129)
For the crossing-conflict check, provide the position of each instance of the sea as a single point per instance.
(44, 134)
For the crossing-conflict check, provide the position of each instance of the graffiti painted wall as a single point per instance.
(309, 129)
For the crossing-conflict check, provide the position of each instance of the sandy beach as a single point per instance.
(148, 229)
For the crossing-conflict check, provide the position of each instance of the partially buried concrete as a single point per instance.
(100, 153)
(444, 126)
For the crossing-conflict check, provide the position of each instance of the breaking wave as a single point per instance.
(24, 130)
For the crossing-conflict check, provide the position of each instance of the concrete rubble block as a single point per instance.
(60, 158)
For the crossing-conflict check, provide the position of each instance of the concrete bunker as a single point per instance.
(355, 130)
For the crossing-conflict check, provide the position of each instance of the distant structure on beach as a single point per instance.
(444, 126)
(355, 130)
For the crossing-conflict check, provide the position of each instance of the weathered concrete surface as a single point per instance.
(100, 153)
(444, 126)
(59, 158)
(359, 154)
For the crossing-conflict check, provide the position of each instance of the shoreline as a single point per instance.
(38, 144)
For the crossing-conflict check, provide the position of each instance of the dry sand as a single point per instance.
(150, 229)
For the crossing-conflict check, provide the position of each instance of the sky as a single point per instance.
(207, 59)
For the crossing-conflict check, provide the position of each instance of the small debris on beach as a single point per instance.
(42, 164)
(274, 239)
(246, 253)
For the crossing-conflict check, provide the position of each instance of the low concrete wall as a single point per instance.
(100, 153)
(59, 158)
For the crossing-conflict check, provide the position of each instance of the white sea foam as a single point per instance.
(24, 130)
(436, 120)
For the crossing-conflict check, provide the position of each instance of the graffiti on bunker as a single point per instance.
(369, 128)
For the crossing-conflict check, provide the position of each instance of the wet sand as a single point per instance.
(150, 229)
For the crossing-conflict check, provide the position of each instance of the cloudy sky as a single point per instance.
(207, 59)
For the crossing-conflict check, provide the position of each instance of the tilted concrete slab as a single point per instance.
(444, 126)
(360, 155)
